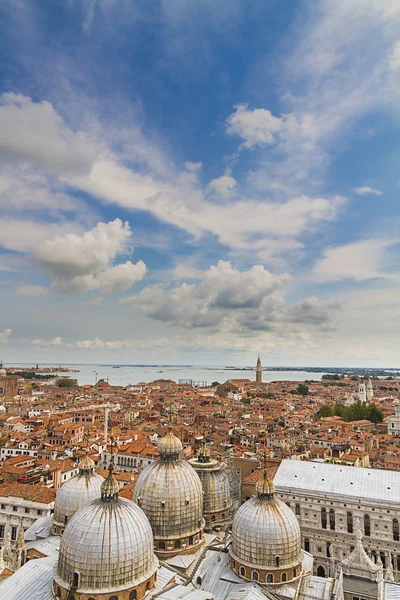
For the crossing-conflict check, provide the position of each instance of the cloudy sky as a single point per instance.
(200, 181)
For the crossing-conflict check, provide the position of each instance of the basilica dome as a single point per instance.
(81, 489)
(3, 372)
(107, 548)
(266, 538)
(169, 492)
(217, 500)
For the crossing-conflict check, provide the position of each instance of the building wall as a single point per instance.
(308, 509)
(9, 386)
(14, 510)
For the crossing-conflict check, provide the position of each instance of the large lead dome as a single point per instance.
(75, 493)
(266, 538)
(170, 494)
(107, 548)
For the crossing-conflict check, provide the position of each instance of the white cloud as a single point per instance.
(193, 166)
(34, 133)
(359, 261)
(257, 127)
(365, 190)
(223, 185)
(22, 235)
(33, 291)
(80, 263)
(4, 335)
(70, 254)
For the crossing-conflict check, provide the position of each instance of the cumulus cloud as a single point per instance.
(359, 261)
(23, 235)
(366, 190)
(223, 185)
(229, 300)
(4, 335)
(257, 127)
(80, 263)
(33, 132)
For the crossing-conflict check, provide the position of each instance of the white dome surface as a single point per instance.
(75, 493)
(171, 495)
(263, 529)
(109, 544)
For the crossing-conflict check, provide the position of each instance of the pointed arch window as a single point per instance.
(323, 518)
(367, 526)
(396, 530)
(349, 522)
(307, 545)
(332, 519)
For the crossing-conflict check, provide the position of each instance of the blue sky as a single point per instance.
(200, 181)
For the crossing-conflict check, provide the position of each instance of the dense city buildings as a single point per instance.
(279, 489)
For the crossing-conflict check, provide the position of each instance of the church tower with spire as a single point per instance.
(258, 371)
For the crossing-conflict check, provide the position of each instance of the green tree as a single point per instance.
(325, 411)
(65, 383)
(302, 389)
(215, 383)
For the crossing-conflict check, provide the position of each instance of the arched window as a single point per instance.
(287, 504)
(242, 571)
(254, 575)
(177, 544)
(323, 518)
(349, 522)
(270, 578)
(328, 550)
(277, 561)
(133, 595)
(398, 563)
(332, 521)
(383, 559)
(373, 555)
(58, 592)
(396, 530)
(297, 509)
(147, 587)
(213, 518)
(321, 571)
(65, 519)
(367, 525)
(199, 580)
(191, 540)
(283, 577)
(75, 580)
(161, 545)
(295, 572)
(307, 545)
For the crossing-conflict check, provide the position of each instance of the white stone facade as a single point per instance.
(394, 422)
(16, 510)
(328, 519)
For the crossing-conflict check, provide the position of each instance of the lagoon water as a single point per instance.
(126, 374)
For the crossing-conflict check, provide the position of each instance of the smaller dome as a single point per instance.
(76, 492)
(169, 445)
(3, 372)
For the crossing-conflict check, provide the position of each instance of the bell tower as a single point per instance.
(258, 371)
